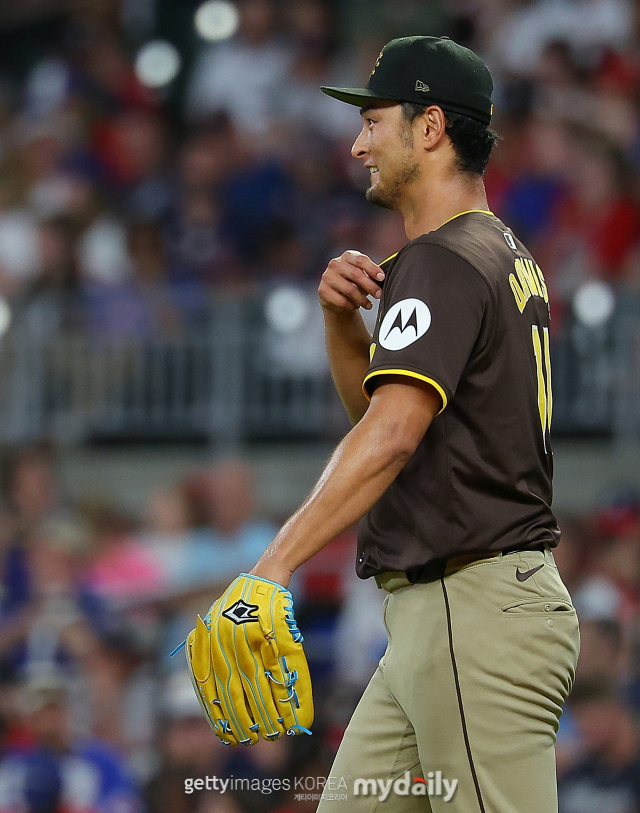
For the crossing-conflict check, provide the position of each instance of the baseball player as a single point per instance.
(449, 467)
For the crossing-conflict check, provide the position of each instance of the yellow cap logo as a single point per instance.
(377, 63)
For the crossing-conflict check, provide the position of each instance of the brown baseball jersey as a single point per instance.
(465, 308)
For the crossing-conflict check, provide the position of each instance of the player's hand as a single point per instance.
(248, 666)
(349, 281)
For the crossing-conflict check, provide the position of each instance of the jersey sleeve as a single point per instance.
(431, 314)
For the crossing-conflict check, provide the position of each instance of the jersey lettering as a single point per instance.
(543, 375)
(527, 281)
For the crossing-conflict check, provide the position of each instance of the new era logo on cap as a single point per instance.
(421, 86)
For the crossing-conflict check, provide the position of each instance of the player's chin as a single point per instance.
(373, 192)
(376, 195)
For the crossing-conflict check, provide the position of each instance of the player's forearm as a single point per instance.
(348, 342)
(362, 468)
(359, 472)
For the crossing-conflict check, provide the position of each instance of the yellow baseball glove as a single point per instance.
(248, 666)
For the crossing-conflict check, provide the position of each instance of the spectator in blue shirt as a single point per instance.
(60, 772)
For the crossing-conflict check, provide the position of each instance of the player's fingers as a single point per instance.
(333, 299)
(364, 282)
(365, 263)
(344, 268)
(352, 292)
(351, 260)
(335, 282)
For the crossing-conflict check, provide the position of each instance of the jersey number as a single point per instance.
(543, 372)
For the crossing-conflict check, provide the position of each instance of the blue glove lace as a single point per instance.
(290, 678)
(289, 683)
(291, 621)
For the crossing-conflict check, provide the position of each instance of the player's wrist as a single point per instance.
(273, 572)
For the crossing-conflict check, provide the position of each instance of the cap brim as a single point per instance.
(356, 96)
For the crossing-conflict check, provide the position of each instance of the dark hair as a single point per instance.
(472, 140)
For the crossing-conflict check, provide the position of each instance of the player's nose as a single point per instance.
(359, 149)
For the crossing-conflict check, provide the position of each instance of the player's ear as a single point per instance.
(432, 126)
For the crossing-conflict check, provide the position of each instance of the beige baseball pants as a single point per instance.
(470, 688)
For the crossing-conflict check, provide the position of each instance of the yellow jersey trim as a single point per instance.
(389, 259)
(411, 374)
(468, 212)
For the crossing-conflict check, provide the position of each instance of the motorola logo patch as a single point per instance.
(241, 613)
(404, 323)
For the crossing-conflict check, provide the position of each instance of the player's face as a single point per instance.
(386, 147)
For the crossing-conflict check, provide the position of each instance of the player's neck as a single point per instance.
(437, 200)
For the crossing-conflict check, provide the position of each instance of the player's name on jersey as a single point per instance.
(527, 282)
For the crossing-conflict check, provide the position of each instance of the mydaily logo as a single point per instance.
(434, 785)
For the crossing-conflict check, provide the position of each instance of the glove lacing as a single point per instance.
(289, 681)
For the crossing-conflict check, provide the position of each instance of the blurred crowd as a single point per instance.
(123, 210)
(135, 203)
(95, 714)
(97, 717)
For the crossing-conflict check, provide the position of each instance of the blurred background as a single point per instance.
(172, 185)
